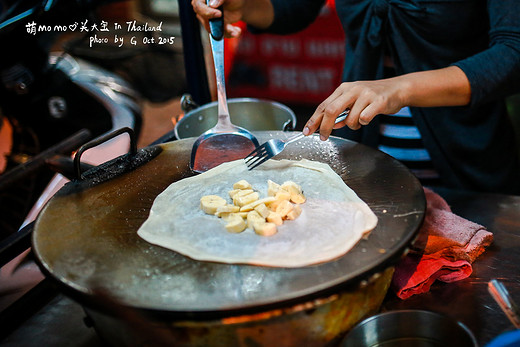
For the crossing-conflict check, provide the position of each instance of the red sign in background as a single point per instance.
(302, 68)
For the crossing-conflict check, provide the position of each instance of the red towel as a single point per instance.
(444, 249)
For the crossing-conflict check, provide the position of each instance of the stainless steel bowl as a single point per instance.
(410, 328)
(249, 113)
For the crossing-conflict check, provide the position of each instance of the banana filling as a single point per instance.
(248, 210)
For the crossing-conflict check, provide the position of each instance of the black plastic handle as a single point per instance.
(100, 140)
(216, 25)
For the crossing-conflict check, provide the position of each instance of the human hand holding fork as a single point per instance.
(273, 147)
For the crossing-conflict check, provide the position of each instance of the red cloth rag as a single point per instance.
(444, 249)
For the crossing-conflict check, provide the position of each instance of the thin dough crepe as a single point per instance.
(333, 218)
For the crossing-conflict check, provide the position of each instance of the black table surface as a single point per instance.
(468, 300)
(61, 321)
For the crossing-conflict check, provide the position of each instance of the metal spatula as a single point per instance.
(225, 141)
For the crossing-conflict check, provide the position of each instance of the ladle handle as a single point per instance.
(216, 25)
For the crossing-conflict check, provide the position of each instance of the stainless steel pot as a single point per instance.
(249, 113)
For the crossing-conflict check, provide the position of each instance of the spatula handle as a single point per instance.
(216, 25)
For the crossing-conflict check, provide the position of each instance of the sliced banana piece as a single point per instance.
(274, 217)
(283, 194)
(242, 200)
(284, 208)
(242, 184)
(294, 213)
(295, 191)
(235, 223)
(210, 203)
(272, 188)
(262, 210)
(238, 192)
(242, 215)
(298, 198)
(254, 217)
(227, 208)
(251, 206)
(265, 229)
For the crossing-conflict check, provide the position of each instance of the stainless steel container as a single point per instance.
(410, 328)
(249, 113)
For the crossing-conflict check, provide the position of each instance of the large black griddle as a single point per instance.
(85, 238)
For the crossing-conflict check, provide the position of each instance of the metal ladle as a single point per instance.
(225, 141)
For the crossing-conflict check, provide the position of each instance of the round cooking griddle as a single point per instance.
(86, 236)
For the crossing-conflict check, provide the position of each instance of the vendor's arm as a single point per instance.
(366, 99)
(274, 16)
(491, 74)
(494, 73)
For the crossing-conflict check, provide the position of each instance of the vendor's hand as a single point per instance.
(233, 12)
(447, 86)
(365, 99)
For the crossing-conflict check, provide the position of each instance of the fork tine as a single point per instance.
(255, 159)
(256, 152)
(253, 153)
(258, 162)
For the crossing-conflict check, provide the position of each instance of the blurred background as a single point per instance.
(297, 70)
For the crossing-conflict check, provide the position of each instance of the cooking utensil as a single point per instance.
(86, 238)
(250, 113)
(410, 328)
(273, 147)
(225, 141)
(501, 295)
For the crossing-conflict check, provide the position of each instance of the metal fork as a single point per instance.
(274, 146)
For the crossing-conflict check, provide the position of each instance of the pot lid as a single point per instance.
(86, 236)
